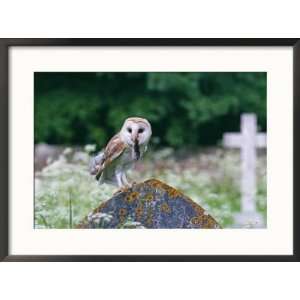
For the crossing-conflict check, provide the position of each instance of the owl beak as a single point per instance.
(134, 139)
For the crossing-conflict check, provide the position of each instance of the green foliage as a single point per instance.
(81, 108)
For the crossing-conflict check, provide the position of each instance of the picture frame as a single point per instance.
(7, 44)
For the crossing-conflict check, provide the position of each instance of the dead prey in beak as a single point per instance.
(136, 150)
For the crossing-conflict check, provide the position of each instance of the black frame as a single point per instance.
(190, 42)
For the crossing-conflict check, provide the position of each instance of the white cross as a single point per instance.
(248, 140)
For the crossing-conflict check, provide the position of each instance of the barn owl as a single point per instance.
(119, 155)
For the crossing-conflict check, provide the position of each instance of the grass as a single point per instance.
(65, 193)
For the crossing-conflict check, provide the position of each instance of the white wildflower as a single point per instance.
(67, 151)
(81, 157)
(90, 148)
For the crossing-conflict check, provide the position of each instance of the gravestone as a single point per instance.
(248, 140)
(150, 204)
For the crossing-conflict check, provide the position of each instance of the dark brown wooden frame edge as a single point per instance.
(4, 149)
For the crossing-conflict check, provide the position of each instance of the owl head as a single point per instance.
(135, 131)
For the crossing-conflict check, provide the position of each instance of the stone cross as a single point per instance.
(248, 140)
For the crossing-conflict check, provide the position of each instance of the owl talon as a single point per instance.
(123, 189)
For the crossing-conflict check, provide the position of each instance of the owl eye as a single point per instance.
(141, 130)
(129, 129)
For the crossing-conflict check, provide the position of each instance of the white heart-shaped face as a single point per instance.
(136, 130)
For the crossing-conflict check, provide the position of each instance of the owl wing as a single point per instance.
(113, 150)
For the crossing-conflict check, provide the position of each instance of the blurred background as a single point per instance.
(77, 113)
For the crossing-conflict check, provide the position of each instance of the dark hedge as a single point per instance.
(185, 109)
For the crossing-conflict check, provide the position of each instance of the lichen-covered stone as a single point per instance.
(151, 204)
